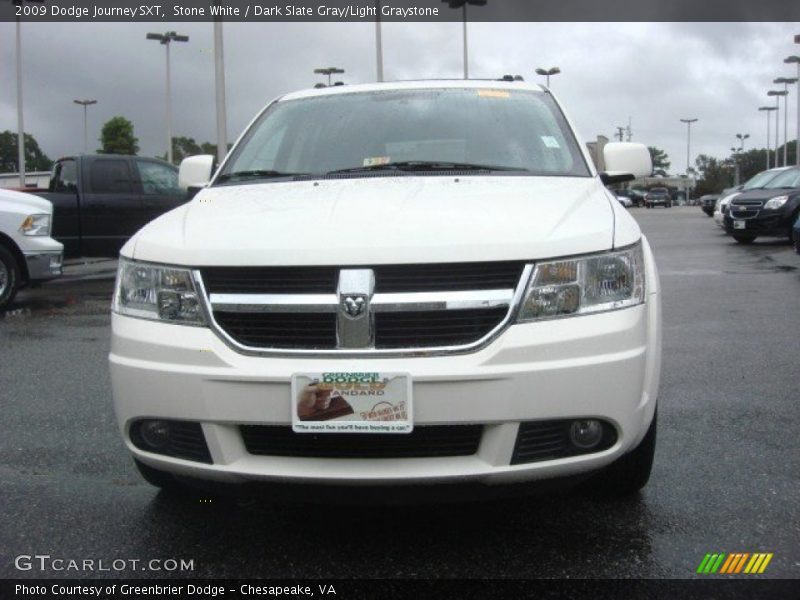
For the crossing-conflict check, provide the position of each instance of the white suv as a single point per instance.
(401, 283)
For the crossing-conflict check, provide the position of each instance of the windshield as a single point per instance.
(761, 179)
(407, 130)
(786, 179)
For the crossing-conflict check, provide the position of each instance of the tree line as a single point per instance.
(116, 137)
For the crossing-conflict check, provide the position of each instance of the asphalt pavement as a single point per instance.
(726, 477)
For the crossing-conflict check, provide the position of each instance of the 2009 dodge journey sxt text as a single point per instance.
(405, 283)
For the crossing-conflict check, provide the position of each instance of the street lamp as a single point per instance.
(85, 103)
(463, 5)
(328, 71)
(796, 60)
(219, 88)
(785, 81)
(548, 72)
(737, 154)
(688, 139)
(777, 94)
(20, 124)
(166, 40)
(768, 110)
(378, 42)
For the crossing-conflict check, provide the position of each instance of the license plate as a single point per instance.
(739, 224)
(351, 402)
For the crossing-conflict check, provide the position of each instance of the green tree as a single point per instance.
(714, 175)
(660, 160)
(35, 159)
(117, 137)
(183, 147)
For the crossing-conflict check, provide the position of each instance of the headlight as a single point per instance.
(36, 225)
(776, 202)
(589, 284)
(156, 292)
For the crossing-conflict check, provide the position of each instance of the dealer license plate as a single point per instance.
(351, 402)
(739, 224)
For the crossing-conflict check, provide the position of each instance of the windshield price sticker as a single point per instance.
(351, 402)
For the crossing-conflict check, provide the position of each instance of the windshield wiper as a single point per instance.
(426, 165)
(256, 174)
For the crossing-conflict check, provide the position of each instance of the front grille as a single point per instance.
(435, 328)
(422, 442)
(186, 441)
(548, 440)
(447, 277)
(413, 306)
(270, 280)
(745, 209)
(388, 278)
(316, 331)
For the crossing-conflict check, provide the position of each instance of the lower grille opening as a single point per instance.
(549, 440)
(180, 439)
(422, 442)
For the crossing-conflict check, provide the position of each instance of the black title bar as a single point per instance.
(397, 10)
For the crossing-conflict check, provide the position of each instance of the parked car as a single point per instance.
(624, 200)
(394, 284)
(658, 196)
(100, 201)
(28, 255)
(707, 203)
(766, 212)
(757, 181)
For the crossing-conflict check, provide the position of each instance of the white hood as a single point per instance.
(383, 220)
(24, 203)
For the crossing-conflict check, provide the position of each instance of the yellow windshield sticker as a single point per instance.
(375, 161)
(493, 93)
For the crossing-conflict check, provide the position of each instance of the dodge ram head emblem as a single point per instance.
(354, 306)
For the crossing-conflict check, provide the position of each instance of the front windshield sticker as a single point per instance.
(493, 93)
(375, 161)
(550, 141)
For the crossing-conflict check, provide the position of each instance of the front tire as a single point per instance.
(9, 277)
(629, 473)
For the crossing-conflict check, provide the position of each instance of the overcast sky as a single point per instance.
(653, 73)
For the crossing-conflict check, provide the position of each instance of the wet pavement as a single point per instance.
(726, 477)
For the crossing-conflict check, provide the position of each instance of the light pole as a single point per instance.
(785, 81)
(165, 39)
(796, 60)
(548, 72)
(688, 140)
(219, 87)
(328, 71)
(462, 4)
(777, 94)
(738, 152)
(768, 110)
(20, 124)
(85, 103)
(378, 42)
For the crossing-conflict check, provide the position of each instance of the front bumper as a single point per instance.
(595, 366)
(768, 224)
(43, 258)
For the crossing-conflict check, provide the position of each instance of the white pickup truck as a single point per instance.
(28, 255)
(394, 284)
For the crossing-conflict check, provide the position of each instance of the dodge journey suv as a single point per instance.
(405, 284)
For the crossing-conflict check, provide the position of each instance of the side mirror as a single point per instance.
(195, 171)
(625, 161)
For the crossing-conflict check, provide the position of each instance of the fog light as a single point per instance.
(586, 433)
(155, 433)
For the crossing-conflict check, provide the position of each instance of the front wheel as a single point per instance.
(744, 239)
(628, 474)
(797, 243)
(9, 277)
